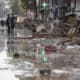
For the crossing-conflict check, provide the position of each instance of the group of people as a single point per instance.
(10, 24)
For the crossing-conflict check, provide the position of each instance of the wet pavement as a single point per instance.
(5, 72)
(21, 69)
(10, 68)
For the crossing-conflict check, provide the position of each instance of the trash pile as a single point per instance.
(50, 48)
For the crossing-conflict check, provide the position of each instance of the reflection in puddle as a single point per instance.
(13, 69)
(5, 72)
(18, 69)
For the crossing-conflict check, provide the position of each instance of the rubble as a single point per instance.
(51, 47)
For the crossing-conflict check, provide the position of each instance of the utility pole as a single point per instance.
(35, 3)
(74, 5)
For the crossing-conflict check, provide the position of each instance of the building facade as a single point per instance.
(56, 8)
(50, 8)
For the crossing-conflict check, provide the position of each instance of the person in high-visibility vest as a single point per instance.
(43, 56)
(44, 59)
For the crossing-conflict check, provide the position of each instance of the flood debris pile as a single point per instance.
(53, 48)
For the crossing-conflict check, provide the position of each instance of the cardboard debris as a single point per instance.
(72, 21)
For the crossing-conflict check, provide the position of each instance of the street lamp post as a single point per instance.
(44, 5)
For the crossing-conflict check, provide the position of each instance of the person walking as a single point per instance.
(8, 24)
(12, 23)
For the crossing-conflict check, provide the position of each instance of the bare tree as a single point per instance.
(2, 7)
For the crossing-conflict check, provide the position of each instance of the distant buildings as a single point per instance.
(55, 8)
(45, 9)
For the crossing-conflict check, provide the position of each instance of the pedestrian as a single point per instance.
(55, 13)
(12, 23)
(8, 24)
(2, 23)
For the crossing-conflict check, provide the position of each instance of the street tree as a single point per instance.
(14, 5)
(23, 3)
(2, 6)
